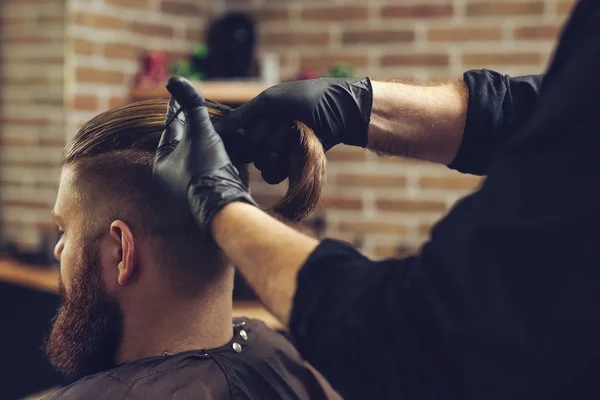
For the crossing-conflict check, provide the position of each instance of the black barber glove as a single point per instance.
(337, 110)
(191, 161)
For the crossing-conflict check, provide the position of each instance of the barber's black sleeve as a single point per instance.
(499, 107)
(503, 301)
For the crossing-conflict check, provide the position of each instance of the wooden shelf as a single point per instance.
(219, 91)
(46, 279)
(39, 278)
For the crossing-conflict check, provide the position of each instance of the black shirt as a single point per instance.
(504, 300)
(257, 363)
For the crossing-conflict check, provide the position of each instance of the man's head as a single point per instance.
(126, 247)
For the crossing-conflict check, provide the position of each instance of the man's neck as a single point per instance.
(183, 325)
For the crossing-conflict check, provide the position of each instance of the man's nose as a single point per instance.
(58, 250)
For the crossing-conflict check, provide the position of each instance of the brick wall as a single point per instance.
(378, 203)
(107, 39)
(387, 206)
(32, 114)
(62, 63)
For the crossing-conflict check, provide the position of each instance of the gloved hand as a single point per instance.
(337, 110)
(191, 161)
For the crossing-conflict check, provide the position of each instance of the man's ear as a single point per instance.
(120, 232)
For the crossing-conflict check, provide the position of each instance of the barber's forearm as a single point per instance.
(267, 252)
(422, 122)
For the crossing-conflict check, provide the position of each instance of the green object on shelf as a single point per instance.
(201, 52)
(340, 70)
(198, 76)
(182, 68)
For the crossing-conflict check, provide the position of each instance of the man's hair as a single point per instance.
(112, 157)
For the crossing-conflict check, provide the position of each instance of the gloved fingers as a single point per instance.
(191, 100)
(173, 111)
(257, 137)
(274, 169)
(174, 129)
(273, 154)
(238, 146)
(281, 139)
(244, 116)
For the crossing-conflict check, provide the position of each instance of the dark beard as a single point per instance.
(87, 328)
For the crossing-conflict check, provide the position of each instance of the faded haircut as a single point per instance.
(112, 157)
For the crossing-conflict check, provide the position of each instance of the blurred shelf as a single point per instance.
(220, 91)
(46, 279)
(39, 278)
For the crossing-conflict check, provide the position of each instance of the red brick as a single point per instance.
(341, 203)
(328, 60)
(141, 4)
(28, 81)
(346, 153)
(369, 180)
(462, 182)
(489, 59)
(31, 121)
(85, 103)
(13, 20)
(29, 204)
(284, 60)
(565, 7)
(51, 20)
(505, 8)
(93, 75)
(182, 8)
(83, 47)
(270, 14)
(100, 21)
(340, 13)
(27, 40)
(372, 227)
(425, 229)
(122, 51)
(542, 32)
(410, 206)
(153, 30)
(47, 61)
(417, 11)
(51, 142)
(296, 39)
(177, 56)
(415, 59)
(194, 35)
(304, 2)
(116, 102)
(41, 185)
(32, 164)
(229, 4)
(57, 101)
(460, 34)
(17, 142)
(377, 36)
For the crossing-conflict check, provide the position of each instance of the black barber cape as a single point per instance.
(503, 302)
(257, 363)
